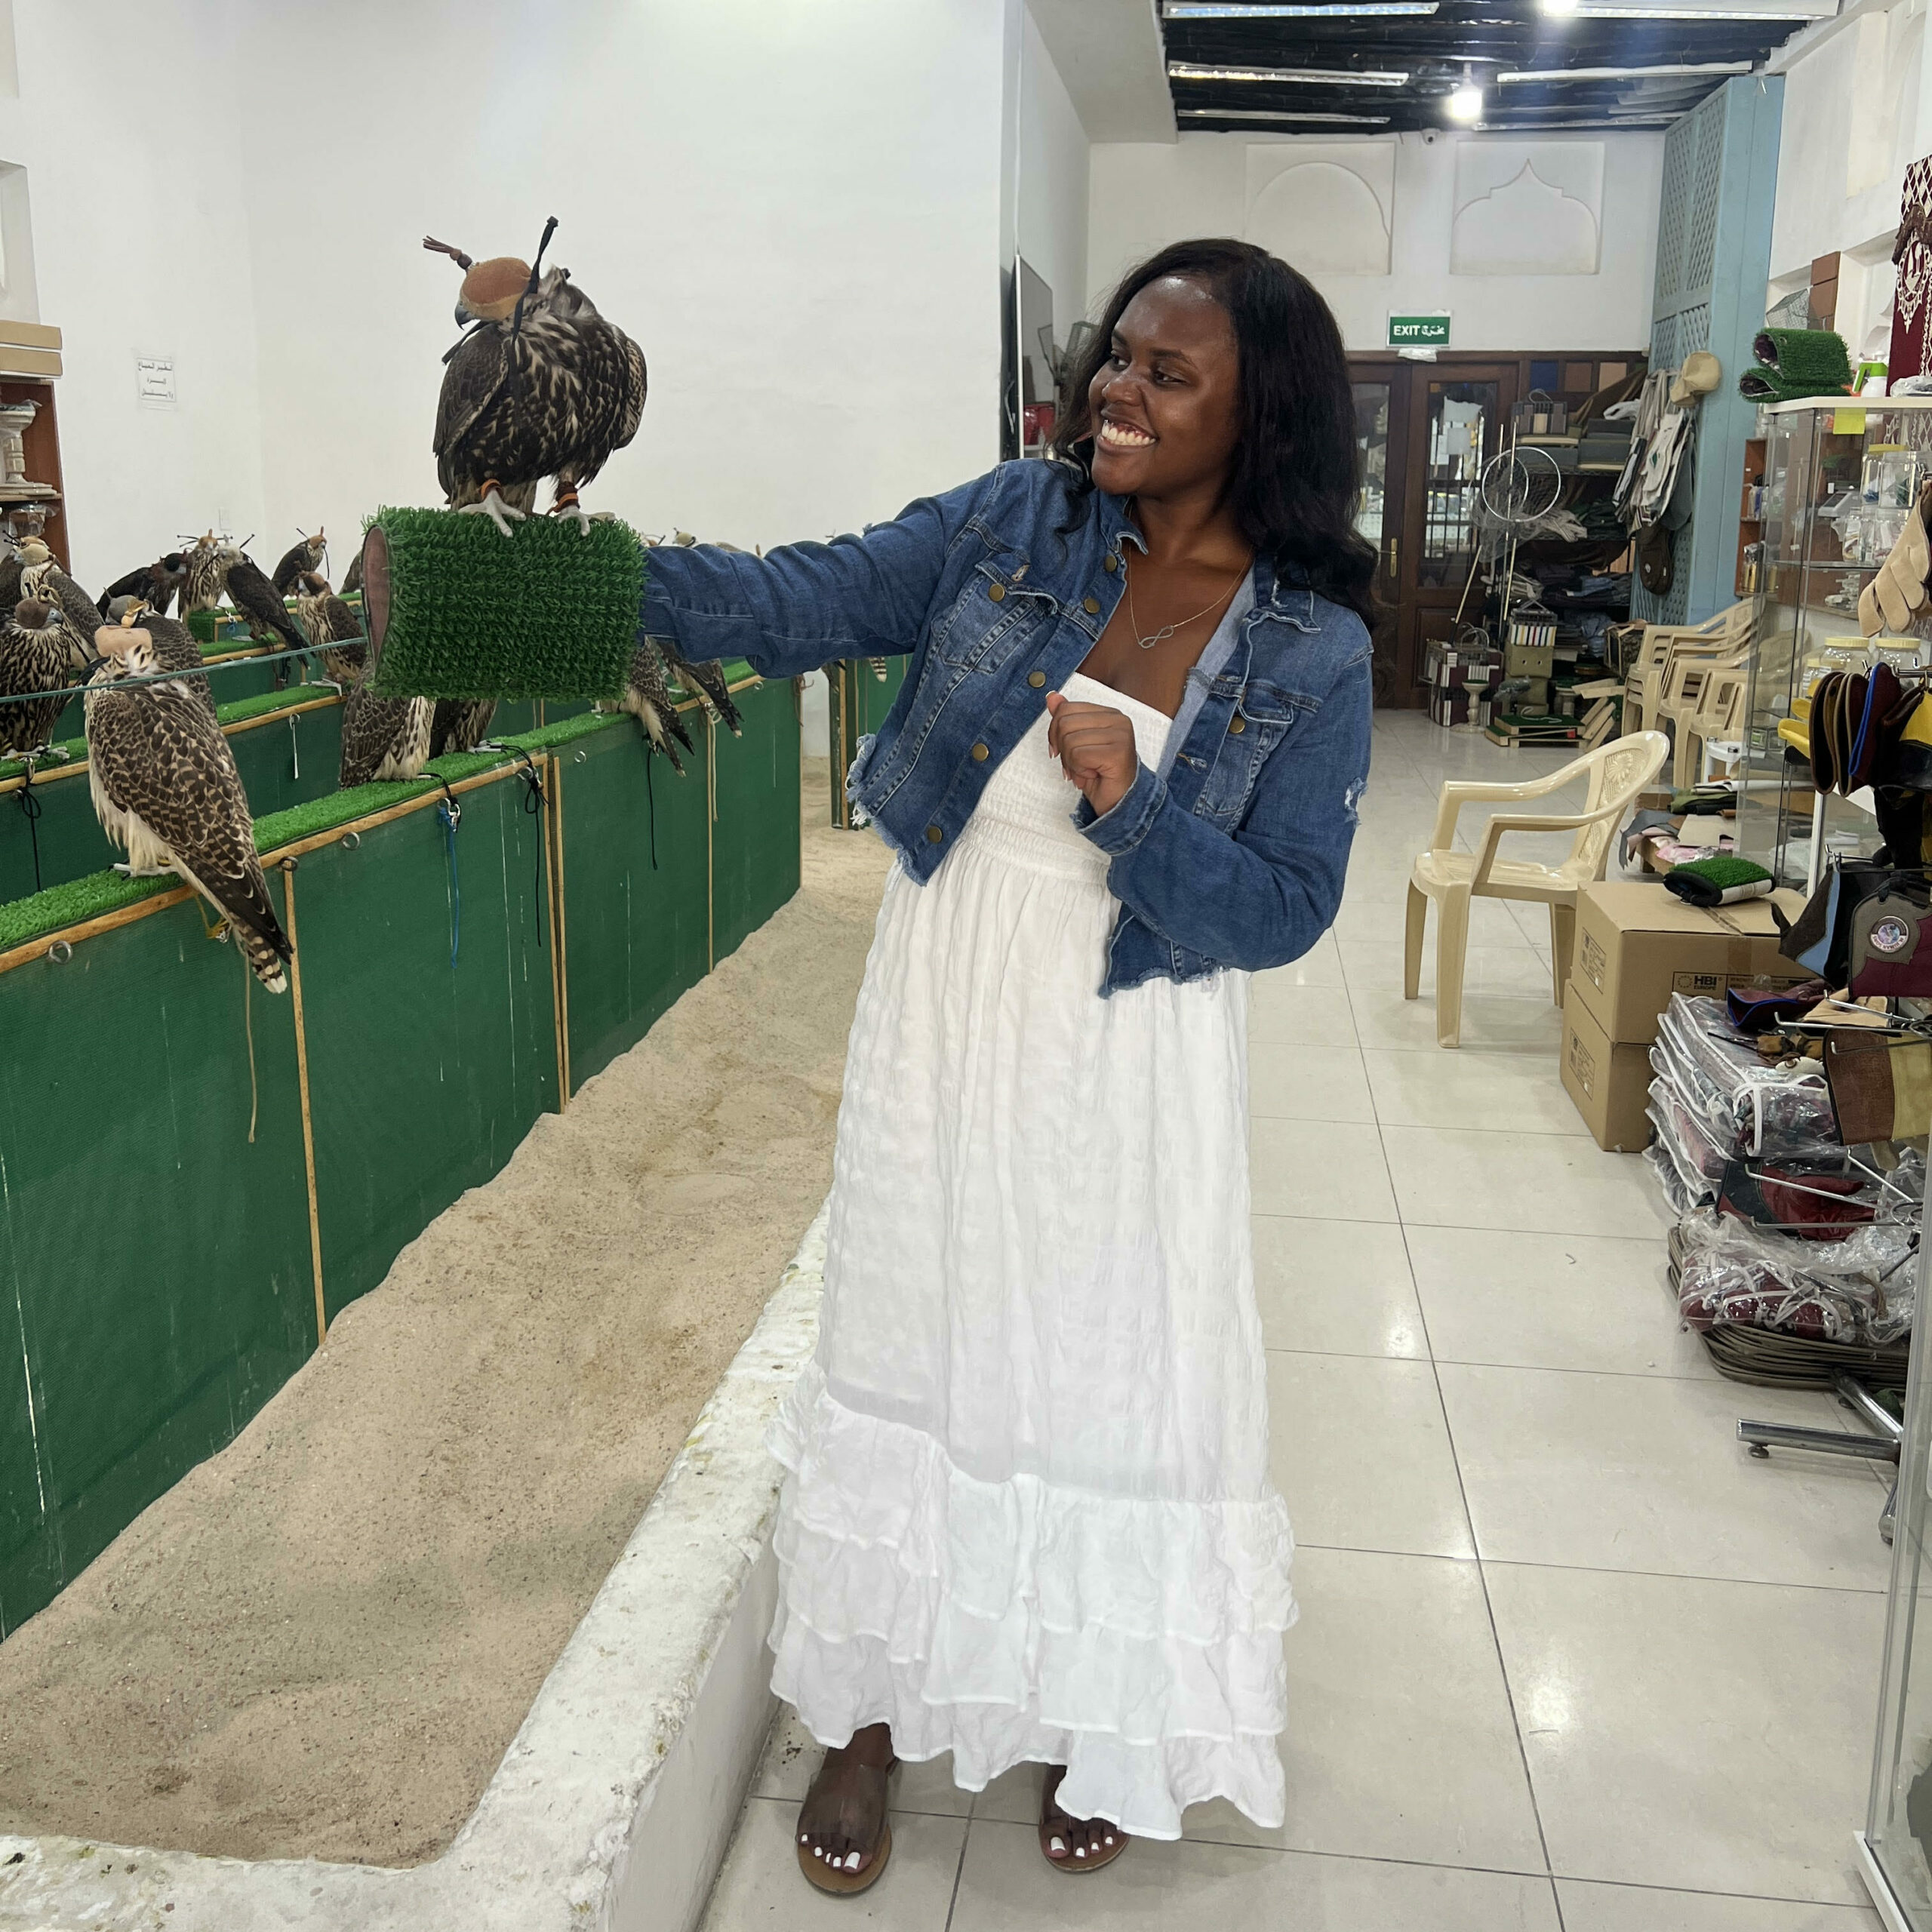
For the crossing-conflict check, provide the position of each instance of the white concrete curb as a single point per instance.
(613, 1806)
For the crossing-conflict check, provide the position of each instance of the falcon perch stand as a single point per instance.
(454, 610)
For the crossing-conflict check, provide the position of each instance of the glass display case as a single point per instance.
(1895, 1845)
(1840, 476)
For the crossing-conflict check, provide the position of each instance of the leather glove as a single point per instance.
(1889, 601)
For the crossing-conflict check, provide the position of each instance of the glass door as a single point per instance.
(1458, 428)
(1381, 411)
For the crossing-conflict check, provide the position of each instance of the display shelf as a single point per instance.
(1838, 475)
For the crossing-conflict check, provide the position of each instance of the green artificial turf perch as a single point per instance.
(459, 610)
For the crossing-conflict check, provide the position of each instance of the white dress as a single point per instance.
(1028, 1513)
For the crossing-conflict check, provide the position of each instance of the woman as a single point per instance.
(1028, 1514)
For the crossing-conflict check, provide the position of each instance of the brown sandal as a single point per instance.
(1073, 1863)
(831, 1879)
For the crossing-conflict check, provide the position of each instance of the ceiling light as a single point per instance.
(1627, 73)
(1557, 9)
(1265, 10)
(1336, 77)
(1797, 16)
(1274, 115)
(1466, 103)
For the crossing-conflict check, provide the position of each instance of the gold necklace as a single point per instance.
(1167, 631)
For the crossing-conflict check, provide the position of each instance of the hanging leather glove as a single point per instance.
(1891, 599)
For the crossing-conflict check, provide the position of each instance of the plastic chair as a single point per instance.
(1666, 645)
(1616, 772)
(1715, 712)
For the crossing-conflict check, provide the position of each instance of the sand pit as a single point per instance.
(320, 1642)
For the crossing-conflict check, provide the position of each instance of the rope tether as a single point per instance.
(534, 801)
(450, 812)
(650, 798)
(30, 810)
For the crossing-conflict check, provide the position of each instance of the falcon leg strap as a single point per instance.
(450, 812)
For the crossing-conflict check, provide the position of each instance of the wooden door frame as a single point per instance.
(1403, 686)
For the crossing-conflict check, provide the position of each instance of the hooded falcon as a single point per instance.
(165, 786)
(36, 654)
(540, 386)
(306, 555)
(382, 737)
(46, 581)
(155, 584)
(205, 573)
(326, 620)
(256, 599)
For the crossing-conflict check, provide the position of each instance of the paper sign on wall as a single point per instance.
(154, 381)
(1418, 331)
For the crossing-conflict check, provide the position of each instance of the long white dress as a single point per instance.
(1028, 1513)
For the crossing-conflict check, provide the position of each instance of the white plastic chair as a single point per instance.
(1617, 771)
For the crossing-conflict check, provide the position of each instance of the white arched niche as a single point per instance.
(1327, 212)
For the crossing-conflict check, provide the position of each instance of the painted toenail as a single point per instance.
(852, 1863)
(1080, 1851)
(1057, 1846)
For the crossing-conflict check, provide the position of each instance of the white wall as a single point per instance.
(1053, 180)
(794, 206)
(128, 124)
(1857, 113)
(1145, 194)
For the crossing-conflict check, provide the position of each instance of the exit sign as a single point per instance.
(1418, 331)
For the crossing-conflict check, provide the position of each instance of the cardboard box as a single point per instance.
(1529, 660)
(1610, 1083)
(1638, 944)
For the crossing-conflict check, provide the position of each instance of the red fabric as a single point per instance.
(1914, 282)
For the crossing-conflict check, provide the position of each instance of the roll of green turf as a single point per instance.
(1799, 362)
(459, 610)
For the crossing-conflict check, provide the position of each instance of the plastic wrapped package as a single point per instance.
(1678, 1196)
(1686, 1132)
(1781, 1112)
(1857, 1283)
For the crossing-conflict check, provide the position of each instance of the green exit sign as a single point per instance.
(1418, 331)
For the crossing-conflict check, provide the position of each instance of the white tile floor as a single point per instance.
(1568, 1658)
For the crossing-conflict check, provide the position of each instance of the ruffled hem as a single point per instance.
(1136, 1640)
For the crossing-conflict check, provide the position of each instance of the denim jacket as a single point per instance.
(1232, 855)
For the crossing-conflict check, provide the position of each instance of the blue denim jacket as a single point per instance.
(1231, 855)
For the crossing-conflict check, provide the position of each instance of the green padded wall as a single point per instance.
(635, 937)
(753, 871)
(156, 1283)
(154, 1265)
(422, 1077)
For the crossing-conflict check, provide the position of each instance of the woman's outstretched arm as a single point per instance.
(801, 606)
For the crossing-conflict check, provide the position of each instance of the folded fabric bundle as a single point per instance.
(1803, 361)
(1720, 882)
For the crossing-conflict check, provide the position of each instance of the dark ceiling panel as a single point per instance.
(1433, 50)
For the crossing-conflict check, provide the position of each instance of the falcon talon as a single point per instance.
(498, 512)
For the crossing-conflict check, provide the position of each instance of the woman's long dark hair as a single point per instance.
(1295, 474)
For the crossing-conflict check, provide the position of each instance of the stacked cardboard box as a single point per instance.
(1636, 944)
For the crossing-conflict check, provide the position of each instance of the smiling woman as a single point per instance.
(1028, 1514)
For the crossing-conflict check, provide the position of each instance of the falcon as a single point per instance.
(165, 787)
(540, 385)
(205, 573)
(36, 654)
(155, 584)
(382, 737)
(304, 556)
(326, 621)
(47, 582)
(256, 600)
(460, 725)
(175, 648)
(647, 698)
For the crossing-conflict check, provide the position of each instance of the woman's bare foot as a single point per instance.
(842, 1822)
(1081, 1844)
